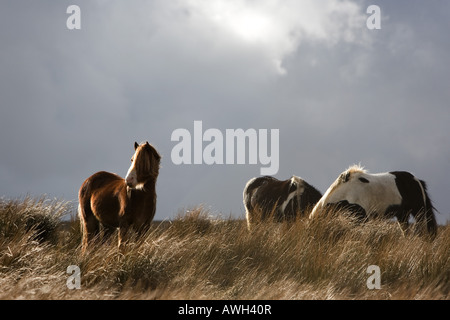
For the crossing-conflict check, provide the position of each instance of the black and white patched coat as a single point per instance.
(391, 194)
(283, 200)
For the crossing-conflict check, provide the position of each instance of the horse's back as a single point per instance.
(266, 196)
(268, 191)
(99, 180)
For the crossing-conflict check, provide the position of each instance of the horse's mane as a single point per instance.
(355, 168)
(148, 165)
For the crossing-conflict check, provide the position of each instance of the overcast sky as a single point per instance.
(74, 101)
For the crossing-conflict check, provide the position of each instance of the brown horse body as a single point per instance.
(106, 198)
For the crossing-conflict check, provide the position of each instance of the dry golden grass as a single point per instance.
(199, 257)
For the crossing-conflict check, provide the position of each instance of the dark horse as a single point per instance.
(115, 202)
(284, 200)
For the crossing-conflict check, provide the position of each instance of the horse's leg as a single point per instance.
(421, 221)
(123, 229)
(89, 224)
(402, 219)
(107, 232)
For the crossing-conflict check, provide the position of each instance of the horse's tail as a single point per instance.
(247, 197)
(88, 223)
(82, 218)
(428, 208)
(248, 192)
(79, 211)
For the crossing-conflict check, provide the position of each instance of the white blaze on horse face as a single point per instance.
(131, 177)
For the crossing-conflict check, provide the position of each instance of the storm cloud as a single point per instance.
(74, 101)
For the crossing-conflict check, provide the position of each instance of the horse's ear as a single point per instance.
(136, 145)
(146, 142)
(344, 177)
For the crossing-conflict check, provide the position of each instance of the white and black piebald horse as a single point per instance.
(266, 197)
(387, 195)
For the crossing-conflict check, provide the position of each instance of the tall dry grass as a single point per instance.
(196, 256)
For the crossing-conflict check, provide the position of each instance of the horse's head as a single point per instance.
(341, 188)
(144, 165)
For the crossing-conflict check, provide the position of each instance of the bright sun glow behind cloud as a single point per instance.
(249, 26)
(278, 27)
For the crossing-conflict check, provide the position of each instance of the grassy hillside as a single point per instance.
(198, 257)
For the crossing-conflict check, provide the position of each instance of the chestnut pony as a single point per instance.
(106, 198)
